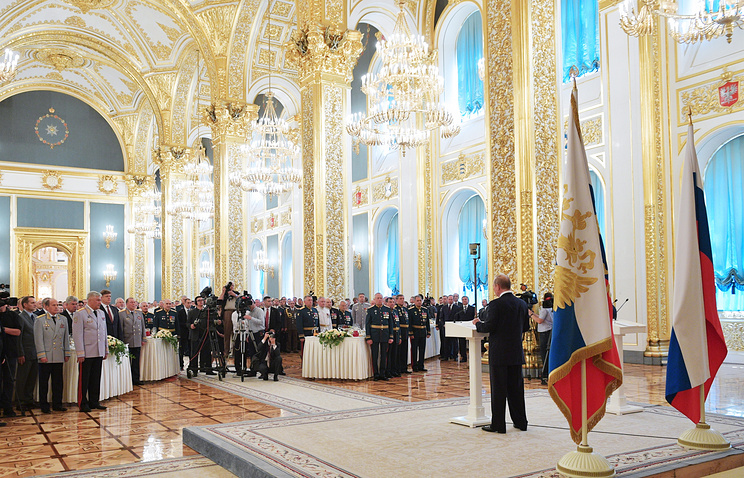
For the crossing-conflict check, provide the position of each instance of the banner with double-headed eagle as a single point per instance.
(582, 322)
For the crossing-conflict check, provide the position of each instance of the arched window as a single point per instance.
(386, 253)
(580, 34)
(724, 194)
(287, 265)
(469, 53)
(470, 230)
(205, 261)
(257, 277)
(393, 257)
(599, 201)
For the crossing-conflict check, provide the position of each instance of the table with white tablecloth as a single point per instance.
(350, 360)
(158, 360)
(116, 379)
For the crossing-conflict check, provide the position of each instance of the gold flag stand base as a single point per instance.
(584, 463)
(702, 437)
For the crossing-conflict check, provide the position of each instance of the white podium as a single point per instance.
(618, 403)
(476, 416)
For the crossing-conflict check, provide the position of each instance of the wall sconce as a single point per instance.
(261, 263)
(109, 236)
(358, 260)
(109, 274)
(206, 270)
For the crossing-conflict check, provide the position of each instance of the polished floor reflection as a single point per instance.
(147, 424)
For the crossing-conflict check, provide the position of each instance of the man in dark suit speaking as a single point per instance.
(505, 322)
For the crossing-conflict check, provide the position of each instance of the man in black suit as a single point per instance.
(182, 326)
(69, 307)
(465, 314)
(268, 358)
(448, 348)
(113, 325)
(506, 321)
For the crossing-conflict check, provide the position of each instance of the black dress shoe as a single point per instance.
(377, 377)
(210, 373)
(276, 377)
(423, 370)
(489, 428)
(85, 409)
(266, 377)
(59, 409)
(523, 428)
(407, 371)
(9, 412)
(46, 410)
(98, 407)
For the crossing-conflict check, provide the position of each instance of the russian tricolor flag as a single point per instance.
(582, 322)
(697, 347)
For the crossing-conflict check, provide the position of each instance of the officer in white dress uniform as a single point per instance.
(91, 346)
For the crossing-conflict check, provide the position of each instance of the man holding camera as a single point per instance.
(268, 358)
(253, 322)
(201, 349)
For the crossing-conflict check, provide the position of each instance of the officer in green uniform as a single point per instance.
(405, 331)
(379, 328)
(418, 322)
(166, 318)
(392, 368)
(147, 315)
(307, 321)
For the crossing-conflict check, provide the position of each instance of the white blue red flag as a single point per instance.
(697, 347)
(582, 322)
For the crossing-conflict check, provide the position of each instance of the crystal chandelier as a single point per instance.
(8, 66)
(270, 153)
(146, 215)
(193, 197)
(261, 263)
(712, 18)
(404, 95)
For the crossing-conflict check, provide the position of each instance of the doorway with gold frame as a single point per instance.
(72, 242)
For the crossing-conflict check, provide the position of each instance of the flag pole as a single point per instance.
(584, 406)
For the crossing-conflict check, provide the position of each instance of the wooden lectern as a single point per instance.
(476, 416)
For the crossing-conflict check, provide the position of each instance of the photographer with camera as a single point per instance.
(201, 350)
(250, 329)
(268, 357)
(228, 299)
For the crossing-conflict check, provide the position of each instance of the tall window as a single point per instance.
(580, 33)
(469, 52)
(599, 201)
(393, 255)
(287, 265)
(724, 193)
(470, 230)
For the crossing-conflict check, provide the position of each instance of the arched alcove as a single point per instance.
(286, 264)
(257, 277)
(451, 248)
(385, 236)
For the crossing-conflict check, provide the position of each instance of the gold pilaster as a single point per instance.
(325, 57)
(230, 123)
(654, 196)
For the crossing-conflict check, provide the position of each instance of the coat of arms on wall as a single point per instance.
(51, 129)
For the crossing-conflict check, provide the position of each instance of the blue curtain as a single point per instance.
(470, 230)
(724, 193)
(469, 52)
(393, 271)
(599, 200)
(580, 33)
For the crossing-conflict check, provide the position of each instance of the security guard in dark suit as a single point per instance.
(392, 368)
(404, 334)
(420, 330)
(379, 328)
(307, 321)
(167, 319)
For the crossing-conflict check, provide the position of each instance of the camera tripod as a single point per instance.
(239, 348)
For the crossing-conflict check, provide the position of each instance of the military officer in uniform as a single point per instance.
(293, 339)
(404, 334)
(420, 330)
(307, 321)
(147, 316)
(167, 318)
(392, 366)
(133, 328)
(379, 335)
(344, 315)
(91, 347)
(52, 339)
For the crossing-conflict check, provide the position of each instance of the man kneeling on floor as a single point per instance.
(268, 359)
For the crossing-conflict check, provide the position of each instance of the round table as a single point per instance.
(350, 360)
(116, 379)
(158, 360)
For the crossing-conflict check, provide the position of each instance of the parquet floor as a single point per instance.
(146, 424)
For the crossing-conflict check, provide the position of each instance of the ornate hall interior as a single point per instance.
(157, 147)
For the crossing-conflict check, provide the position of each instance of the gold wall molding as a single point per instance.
(217, 23)
(464, 167)
(360, 196)
(308, 189)
(733, 332)
(257, 225)
(60, 59)
(385, 190)
(86, 5)
(71, 242)
(316, 50)
(51, 179)
(704, 100)
(137, 185)
(107, 184)
(285, 218)
(591, 131)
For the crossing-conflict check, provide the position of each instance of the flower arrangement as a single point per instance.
(332, 337)
(168, 337)
(116, 347)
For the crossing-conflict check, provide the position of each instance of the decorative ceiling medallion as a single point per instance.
(51, 129)
(107, 184)
(85, 5)
(51, 180)
(59, 59)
